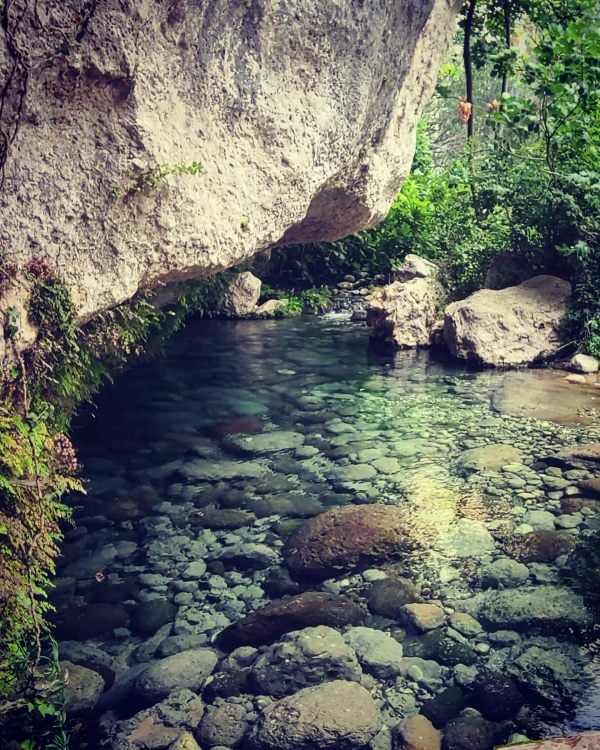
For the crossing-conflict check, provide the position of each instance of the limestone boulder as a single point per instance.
(337, 715)
(509, 327)
(405, 312)
(242, 295)
(584, 363)
(349, 538)
(187, 669)
(302, 116)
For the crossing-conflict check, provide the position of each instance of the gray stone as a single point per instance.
(550, 607)
(555, 675)
(265, 443)
(83, 688)
(377, 652)
(302, 658)
(223, 725)
(492, 457)
(187, 669)
(504, 572)
(540, 520)
(336, 715)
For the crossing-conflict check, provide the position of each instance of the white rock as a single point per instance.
(584, 363)
(512, 326)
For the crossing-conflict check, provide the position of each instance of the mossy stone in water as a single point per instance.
(451, 652)
(469, 733)
(542, 546)
(388, 596)
(443, 707)
(150, 616)
(424, 646)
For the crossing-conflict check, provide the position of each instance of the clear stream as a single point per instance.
(169, 488)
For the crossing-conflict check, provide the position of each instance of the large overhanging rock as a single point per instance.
(518, 325)
(302, 114)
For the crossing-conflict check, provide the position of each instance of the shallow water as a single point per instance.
(369, 426)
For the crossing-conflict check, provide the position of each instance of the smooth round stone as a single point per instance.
(373, 574)
(540, 520)
(569, 521)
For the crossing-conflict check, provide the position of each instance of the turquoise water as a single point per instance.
(174, 478)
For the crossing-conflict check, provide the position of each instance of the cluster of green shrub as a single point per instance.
(524, 188)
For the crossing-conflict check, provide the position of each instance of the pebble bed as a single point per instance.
(203, 462)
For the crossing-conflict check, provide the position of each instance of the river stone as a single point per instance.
(465, 624)
(423, 616)
(83, 688)
(357, 472)
(542, 546)
(216, 471)
(242, 294)
(405, 312)
(580, 455)
(497, 695)
(585, 741)
(443, 707)
(187, 669)
(302, 658)
(584, 363)
(387, 596)
(308, 609)
(503, 572)
(416, 733)
(223, 725)
(225, 518)
(547, 607)
(467, 538)
(377, 652)
(555, 675)
(513, 326)
(489, 457)
(148, 617)
(348, 538)
(89, 621)
(590, 486)
(161, 725)
(185, 741)
(336, 715)
(248, 556)
(469, 733)
(540, 520)
(264, 443)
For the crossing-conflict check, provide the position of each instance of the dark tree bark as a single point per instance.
(469, 65)
(507, 39)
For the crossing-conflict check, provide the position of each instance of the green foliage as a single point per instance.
(313, 300)
(154, 178)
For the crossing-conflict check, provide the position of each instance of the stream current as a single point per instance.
(201, 463)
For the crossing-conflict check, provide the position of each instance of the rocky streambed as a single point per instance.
(292, 542)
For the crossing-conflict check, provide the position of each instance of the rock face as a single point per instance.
(513, 326)
(337, 715)
(346, 538)
(303, 116)
(406, 311)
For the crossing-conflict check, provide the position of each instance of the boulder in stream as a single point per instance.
(509, 327)
(308, 609)
(349, 538)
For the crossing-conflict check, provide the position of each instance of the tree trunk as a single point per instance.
(468, 64)
(507, 39)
